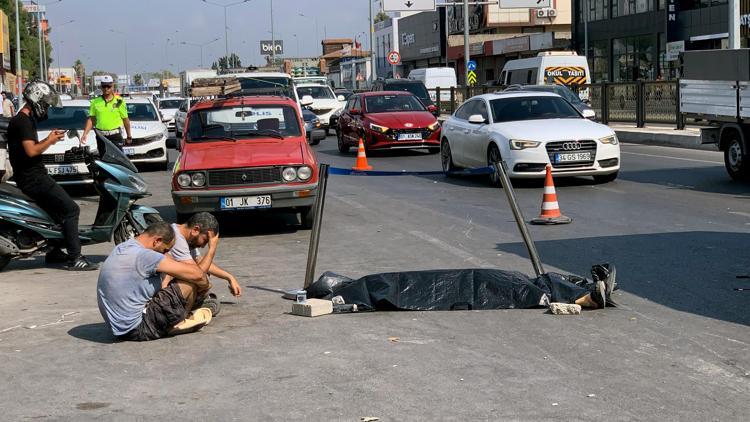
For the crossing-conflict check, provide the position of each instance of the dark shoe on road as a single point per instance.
(56, 256)
(211, 302)
(81, 264)
(606, 273)
(599, 294)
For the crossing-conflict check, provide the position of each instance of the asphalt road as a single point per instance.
(675, 349)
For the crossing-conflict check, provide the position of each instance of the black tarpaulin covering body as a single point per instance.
(443, 290)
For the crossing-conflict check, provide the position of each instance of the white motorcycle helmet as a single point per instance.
(41, 96)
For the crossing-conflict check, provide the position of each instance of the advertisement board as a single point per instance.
(5, 39)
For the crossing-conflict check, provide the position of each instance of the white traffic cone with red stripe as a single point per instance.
(550, 208)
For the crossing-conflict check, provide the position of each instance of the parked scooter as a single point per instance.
(26, 229)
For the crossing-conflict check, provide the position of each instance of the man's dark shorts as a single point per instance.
(163, 311)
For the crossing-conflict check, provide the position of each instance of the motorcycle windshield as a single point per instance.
(109, 153)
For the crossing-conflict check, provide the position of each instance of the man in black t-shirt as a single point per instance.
(25, 151)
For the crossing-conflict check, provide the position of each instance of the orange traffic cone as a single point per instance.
(550, 208)
(361, 164)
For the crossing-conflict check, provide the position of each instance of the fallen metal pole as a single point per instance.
(320, 200)
(508, 189)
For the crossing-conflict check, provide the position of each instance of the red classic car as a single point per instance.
(245, 153)
(387, 120)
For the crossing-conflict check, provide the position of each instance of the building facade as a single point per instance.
(498, 35)
(386, 41)
(632, 40)
(420, 40)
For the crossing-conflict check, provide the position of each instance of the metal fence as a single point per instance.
(638, 102)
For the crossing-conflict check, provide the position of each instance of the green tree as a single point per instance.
(29, 39)
(138, 79)
(225, 63)
(79, 68)
(166, 74)
(381, 16)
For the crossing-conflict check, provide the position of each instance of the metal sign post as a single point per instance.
(320, 199)
(508, 188)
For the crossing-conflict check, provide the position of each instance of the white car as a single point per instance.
(180, 117)
(528, 130)
(167, 107)
(64, 166)
(149, 134)
(324, 102)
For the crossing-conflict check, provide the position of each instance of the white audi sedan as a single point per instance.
(529, 130)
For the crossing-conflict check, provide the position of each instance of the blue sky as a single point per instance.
(149, 23)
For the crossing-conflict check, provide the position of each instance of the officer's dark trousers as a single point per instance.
(57, 203)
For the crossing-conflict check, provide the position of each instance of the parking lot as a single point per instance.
(675, 349)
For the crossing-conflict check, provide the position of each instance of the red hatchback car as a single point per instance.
(387, 120)
(242, 154)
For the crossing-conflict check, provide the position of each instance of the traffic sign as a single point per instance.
(471, 78)
(472, 65)
(394, 57)
(525, 4)
(409, 5)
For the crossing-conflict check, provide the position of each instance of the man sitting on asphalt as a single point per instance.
(129, 292)
(192, 236)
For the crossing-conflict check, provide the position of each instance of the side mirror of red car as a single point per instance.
(432, 108)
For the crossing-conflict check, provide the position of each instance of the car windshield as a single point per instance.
(317, 92)
(66, 117)
(532, 108)
(266, 86)
(142, 112)
(170, 103)
(243, 122)
(391, 103)
(415, 88)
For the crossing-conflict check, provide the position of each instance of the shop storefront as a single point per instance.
(641, 40)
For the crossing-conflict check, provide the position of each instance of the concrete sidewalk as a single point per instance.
(667, 135)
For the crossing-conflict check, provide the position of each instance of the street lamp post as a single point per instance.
(127, 75)
(201, 47)
(316, 25)
(59, 64)
(19, 70)
(41, 8)
(226, 24)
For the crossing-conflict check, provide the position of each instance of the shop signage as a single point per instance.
(408, 5)
(407, 39)
(269, 46)
(674, 49)
(525, 4)
(673, 8)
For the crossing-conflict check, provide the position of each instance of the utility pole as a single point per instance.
(586, 29)
(373, 71)
(273, 40)
(39, 36)
(734, 24)
(19, 71)
(466, 42)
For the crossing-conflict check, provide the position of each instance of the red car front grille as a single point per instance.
(248, 176)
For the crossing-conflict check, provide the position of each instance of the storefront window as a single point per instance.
(633, 59)
(599, 61)
(631, 7)
(597, 10)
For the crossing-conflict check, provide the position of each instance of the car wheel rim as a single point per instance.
(494, 157)
(734, 155)
(446, 156)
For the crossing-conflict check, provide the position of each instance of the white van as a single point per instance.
(433, 77)
(549, 67)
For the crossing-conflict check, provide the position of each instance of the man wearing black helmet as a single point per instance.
(25, 151)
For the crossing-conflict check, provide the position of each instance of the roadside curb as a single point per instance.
(679, 140)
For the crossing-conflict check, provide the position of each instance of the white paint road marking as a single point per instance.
(744, 214)
(672, 158)
(466, 256)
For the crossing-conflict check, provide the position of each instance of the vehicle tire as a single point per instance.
(125, 231)
(433, 150)
(306, 217)
(165, 165)
(605, 178)
(315, 142)
(328, 132)
(343, 148)
(493, 155)
(446, 158)
(736, 159)
(4, 261)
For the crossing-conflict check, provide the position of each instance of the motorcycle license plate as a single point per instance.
(409, 136)
(129, 151)
(239, 202)
(572, 157)
(61, 170)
